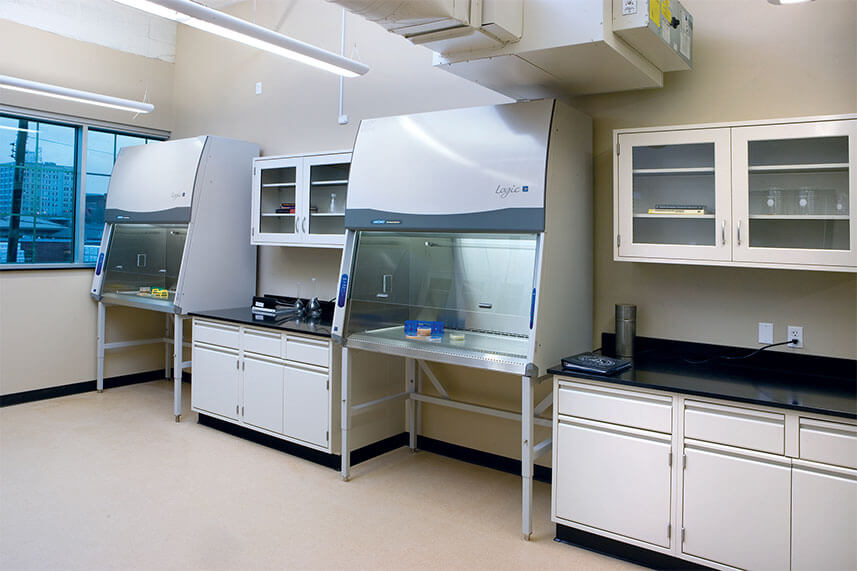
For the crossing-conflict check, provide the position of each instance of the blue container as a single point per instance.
(424, 329)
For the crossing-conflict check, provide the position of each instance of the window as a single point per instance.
(51, 209)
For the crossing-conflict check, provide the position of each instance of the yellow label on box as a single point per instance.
(655, 12)
(666, 12)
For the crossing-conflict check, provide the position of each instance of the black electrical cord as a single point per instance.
(738, 357)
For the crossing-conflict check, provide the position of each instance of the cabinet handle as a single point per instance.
(303, 225)
(739, 232)
(723, 233)
(237, 364)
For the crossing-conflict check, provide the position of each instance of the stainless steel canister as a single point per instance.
(626, 329)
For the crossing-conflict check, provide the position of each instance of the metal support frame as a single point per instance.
(414, 371)
(172, 356)
(178, 349)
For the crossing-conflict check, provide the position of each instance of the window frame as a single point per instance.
(82, 126)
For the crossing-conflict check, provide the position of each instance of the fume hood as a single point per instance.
(175, 240)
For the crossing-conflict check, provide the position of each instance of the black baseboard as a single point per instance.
(480, 458)
(77, 388)
(333, 461)
(621, 550)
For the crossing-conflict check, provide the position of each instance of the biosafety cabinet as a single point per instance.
(469, 243)
(175, 235)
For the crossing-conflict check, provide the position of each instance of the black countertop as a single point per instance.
(243, 315)
(805, 383)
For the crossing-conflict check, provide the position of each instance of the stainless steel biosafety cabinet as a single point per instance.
(175, 240)
(479, 219)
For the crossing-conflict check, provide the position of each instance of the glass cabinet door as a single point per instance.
(276, 198)
(328, 188)
(793, 193)
(673, 195)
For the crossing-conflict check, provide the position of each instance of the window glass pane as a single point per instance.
(37, 192)
(99, 152)
(123, 141)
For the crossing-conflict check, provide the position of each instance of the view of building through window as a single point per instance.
(41, 187)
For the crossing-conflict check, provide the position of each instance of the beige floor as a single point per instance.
(101, 481)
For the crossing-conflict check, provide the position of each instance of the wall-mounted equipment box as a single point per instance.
(661, 30)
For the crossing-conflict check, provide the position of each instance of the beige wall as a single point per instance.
(771, 62)
(47, 319)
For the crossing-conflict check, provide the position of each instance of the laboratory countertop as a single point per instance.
(821, 385)
(243, 315)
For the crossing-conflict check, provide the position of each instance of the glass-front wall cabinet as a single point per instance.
(794, 189)
(300, 200)
(765, 195)
(673, 194)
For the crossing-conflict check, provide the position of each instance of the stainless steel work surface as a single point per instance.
(478, 349)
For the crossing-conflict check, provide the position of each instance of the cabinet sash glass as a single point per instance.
(277, 200)
(674, 194)
(799, 193)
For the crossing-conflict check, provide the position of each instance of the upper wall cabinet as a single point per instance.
(300, 200)
(778, 195)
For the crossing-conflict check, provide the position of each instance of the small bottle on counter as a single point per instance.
(626, 329)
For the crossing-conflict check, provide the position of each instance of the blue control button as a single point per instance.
(100, 262)
(532, 308)
(343, 288)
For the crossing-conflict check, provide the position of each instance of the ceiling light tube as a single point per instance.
(222, 24)
(27, 86)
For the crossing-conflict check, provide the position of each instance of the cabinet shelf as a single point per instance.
(279, 184)
(328, 182)
(798, 217)
(682, 216)
(799, 168)
(690, 170)
(330, 214)
(278, 214)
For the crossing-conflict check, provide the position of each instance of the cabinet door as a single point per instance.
(673, 195)
(276, 201)
(263, 393)
(306, 405)
(794, 193)
(617, 480)
(824, 518)
(326, 187)
(736, 508)
(215, 380)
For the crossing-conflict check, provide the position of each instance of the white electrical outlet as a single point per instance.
(258, 88)
(766, 333)
(795, 332)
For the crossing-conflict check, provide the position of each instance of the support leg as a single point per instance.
(410, 385)
(99, 340)
(346, 415)
(527, 414)
(167, 352)
(178, 349)
(419, 403)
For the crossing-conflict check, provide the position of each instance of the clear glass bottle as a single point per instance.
(332, 202)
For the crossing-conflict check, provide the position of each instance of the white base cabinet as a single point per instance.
(751, 487)
(272, 381)
(824, 517)
(736, 508)
(626, 490)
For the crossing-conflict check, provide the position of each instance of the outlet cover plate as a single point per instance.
(766, 333)
(795, 332)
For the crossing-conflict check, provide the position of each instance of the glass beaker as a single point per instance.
(774, 202)
(806, 201)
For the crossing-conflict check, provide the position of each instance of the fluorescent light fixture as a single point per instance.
(215, 22)
(781, 2)
(27, 86)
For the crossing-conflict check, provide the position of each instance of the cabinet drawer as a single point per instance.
(263, 342)
(828, 442)
(616, 406)
(733, 426)
(311, 351)
(215, 333)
